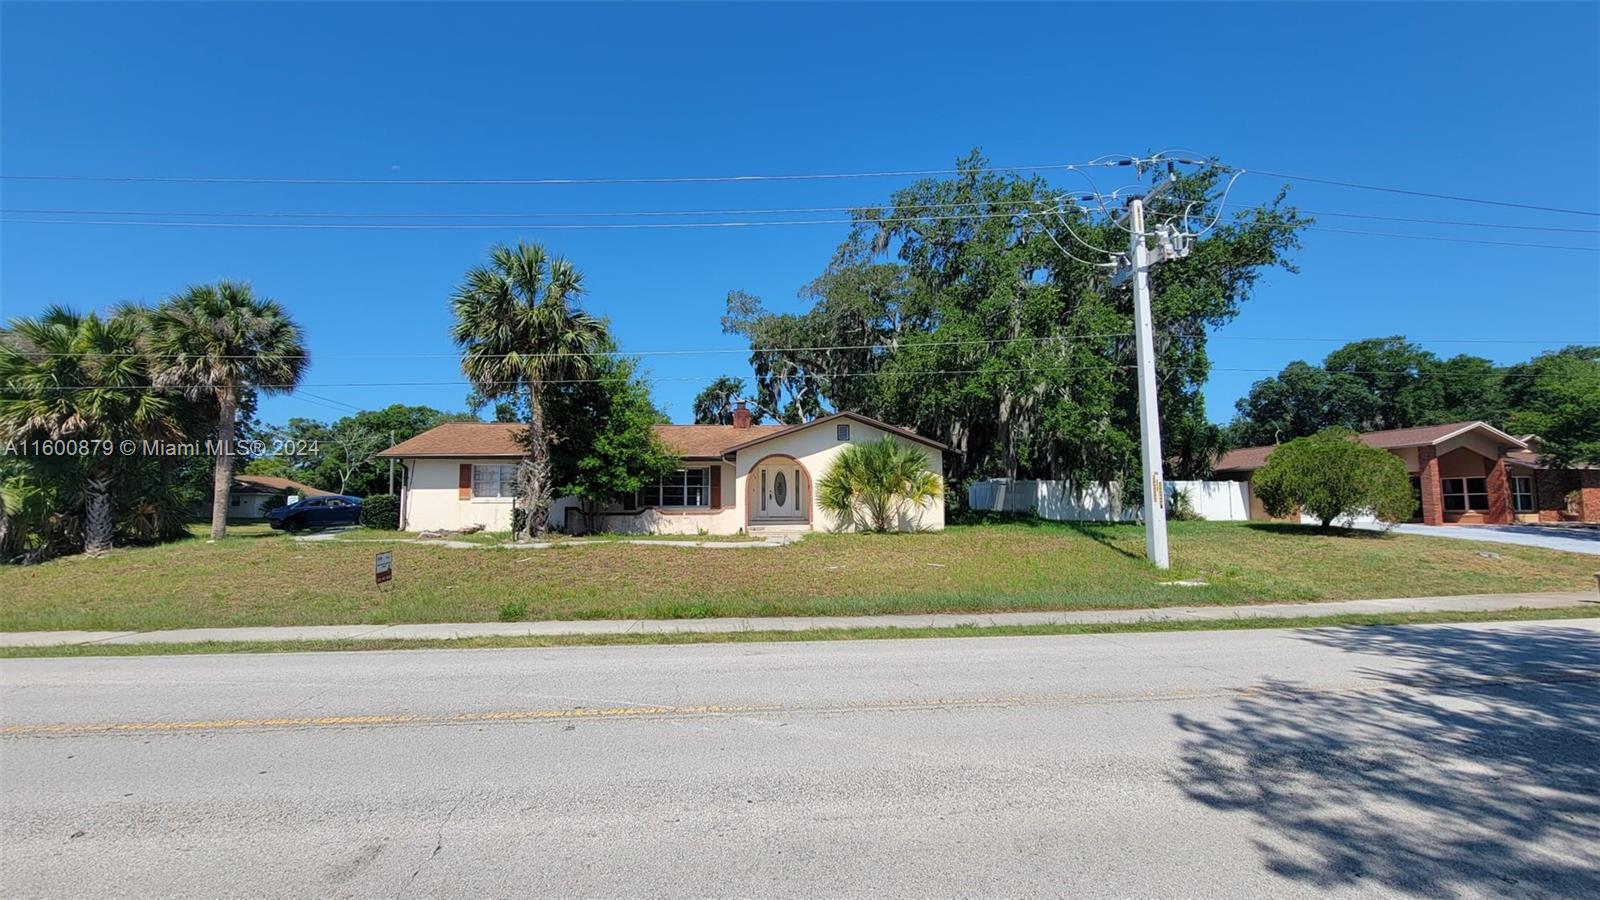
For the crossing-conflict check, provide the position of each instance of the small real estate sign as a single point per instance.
(383, 567)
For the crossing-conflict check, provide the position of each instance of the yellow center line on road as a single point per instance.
(1418, 684)
(528, 715)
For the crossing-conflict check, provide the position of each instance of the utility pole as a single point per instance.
(1155, 501)
(391, 462)
(1137, 270)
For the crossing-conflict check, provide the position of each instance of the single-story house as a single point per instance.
(1469, 473)
(252, 496)
(734, 478)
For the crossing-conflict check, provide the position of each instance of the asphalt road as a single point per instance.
(1426, 760)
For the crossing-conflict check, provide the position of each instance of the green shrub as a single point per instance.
(1181, 509)
(519, 520)
(870, 484)
(1331, 475)
(381, 511)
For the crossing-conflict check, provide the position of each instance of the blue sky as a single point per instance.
(1487, 100)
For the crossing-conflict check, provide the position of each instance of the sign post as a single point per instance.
(383, 567)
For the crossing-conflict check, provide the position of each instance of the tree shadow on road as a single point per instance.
(1475, 769)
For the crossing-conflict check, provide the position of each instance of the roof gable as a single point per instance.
(865, 420)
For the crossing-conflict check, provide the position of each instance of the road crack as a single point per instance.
(438, 845)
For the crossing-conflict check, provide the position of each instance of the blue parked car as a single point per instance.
(316, 512)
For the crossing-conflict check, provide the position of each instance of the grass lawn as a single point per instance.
(491, 538)
(258, 577)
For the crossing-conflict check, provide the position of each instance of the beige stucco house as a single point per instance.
(734, 478)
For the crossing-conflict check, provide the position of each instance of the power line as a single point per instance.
(811, 376)
(672, 179)
(826, 348)
(329, 401)
(586, 226)
(1110, 161)
(1016, 205)
(1412, 193)
(1449, 239)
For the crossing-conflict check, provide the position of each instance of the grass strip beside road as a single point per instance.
(256, 577)
(819, 634)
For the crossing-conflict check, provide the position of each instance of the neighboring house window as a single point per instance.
(685, 488)
(234, 500)
(841, 432)
(1462, 494)
(1522, 493)
(494, 481)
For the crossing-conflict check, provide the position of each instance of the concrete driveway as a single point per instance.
(1550, 537)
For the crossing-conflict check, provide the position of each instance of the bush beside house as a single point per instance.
(381, 511)
(1330, 476)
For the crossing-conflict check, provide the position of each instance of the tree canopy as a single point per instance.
(1390, 382)
(1556, 395)
(957, 309)
(715, 404)
(607, 447)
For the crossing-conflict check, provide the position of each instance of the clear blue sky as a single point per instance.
(1488, 100)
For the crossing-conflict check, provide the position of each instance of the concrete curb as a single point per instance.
(1466, 603)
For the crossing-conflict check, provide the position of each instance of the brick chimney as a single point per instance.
(741, 415)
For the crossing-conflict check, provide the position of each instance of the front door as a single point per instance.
(779, 489)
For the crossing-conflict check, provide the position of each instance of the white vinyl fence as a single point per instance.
(1062, 501)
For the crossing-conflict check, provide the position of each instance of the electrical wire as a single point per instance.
(673, 179)
(1412, 193)
(699, 378)
(569, 226)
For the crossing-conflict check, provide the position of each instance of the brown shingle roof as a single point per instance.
(711, 440)
(1243, 460)
(463, 439)
(273, 485)
(501, 439)
(1249, 458)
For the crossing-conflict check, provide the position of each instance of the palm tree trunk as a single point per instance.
(222, 473)
(535, 473)
(97, 524)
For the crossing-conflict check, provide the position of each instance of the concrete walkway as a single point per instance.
(1467, 603)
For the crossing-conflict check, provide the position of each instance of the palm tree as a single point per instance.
(869, 484)
(214, 342)
(81, 378)
(519, 329)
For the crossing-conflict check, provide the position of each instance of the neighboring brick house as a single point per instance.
(1467, 473)
(734, 478)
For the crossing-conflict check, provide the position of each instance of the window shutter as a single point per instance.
(464, 482)
(715, 473)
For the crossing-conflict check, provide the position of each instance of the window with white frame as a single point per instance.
(683, 489)
(494, 481)
(1463, 494)
(1522, 493)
